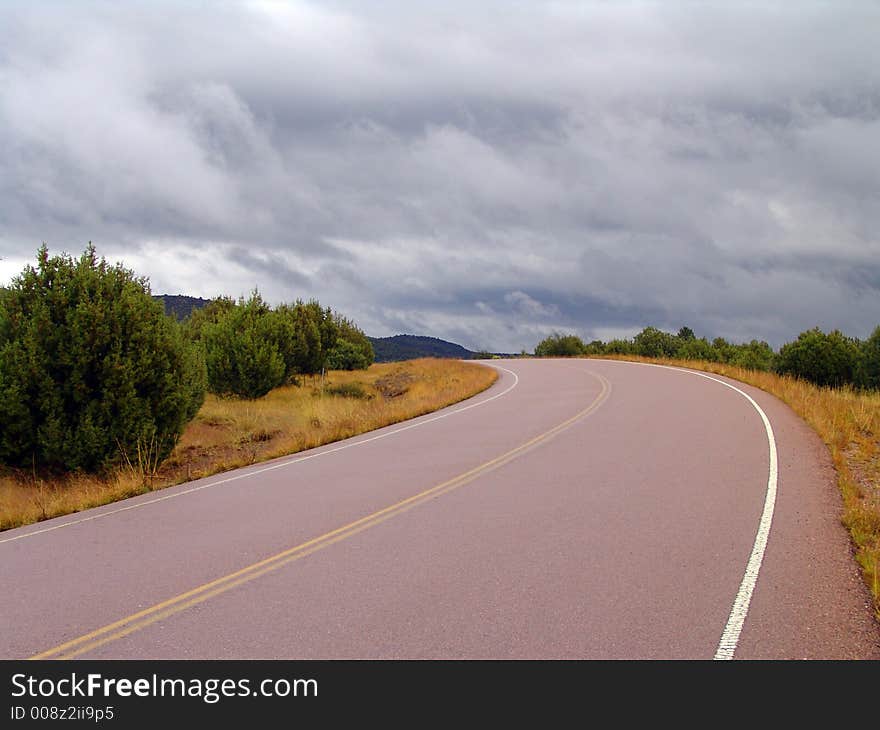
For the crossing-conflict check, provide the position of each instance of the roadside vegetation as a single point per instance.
(91, 369)
(828, 379)
(104, 396)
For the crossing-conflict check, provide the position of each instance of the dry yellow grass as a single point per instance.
(848, 421)
(230, 433)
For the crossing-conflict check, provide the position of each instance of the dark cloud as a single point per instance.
(486, 174)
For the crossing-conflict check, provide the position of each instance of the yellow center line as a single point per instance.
(164, 609)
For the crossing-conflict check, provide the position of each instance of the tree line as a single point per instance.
(92, 370)
(829, 359)
(251, 348)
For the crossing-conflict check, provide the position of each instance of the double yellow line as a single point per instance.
(137, 621)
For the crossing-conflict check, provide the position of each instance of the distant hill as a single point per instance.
(180, 306)
(409, 347)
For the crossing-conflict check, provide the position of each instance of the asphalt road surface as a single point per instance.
(577, 509)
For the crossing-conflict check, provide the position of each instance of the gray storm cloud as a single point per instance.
(487, 175)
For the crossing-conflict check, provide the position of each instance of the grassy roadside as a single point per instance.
(848, 422)
(226, 434)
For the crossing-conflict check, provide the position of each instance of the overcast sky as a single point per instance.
(482, 172)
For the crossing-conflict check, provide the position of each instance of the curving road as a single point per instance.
(578, 509)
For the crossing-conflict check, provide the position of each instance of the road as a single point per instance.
(578, 509)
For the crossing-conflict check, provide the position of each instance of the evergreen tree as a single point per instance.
(651, 342)
(868, 371)
(211, 313)
(353, 349)
(91, 369)
(693, 348)
(824, 359)
(756, 355)
(559, 345)
(241, 350)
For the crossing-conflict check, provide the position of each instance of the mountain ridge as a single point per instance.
(180, 306)
(410, 347)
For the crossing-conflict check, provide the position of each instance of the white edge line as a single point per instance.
(281, 465)
(732, 630)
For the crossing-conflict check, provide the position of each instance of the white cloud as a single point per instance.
(523, 303)
(590, 167)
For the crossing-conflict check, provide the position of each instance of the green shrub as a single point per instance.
(695, 349)
(91, 369)
(559, 345)
(352, 350)
(868, 370)
(756, 355)
(824, 359)
(305, 335)
(724, 351)
(251, 348)
(211, 313)
(651, 342)
(346, 355)
(619, 347)
(241, 350)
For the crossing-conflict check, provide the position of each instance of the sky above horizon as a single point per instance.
(487, 173)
